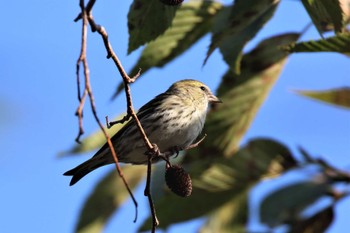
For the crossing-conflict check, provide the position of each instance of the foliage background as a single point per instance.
(38, 50)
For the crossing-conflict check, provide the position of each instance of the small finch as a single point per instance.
(171, 120)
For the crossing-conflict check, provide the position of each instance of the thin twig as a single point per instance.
(79, 113)
(88, 91)
(147, 193)
(196, 143)
(153, 151)
(121, 121)
(88, 9)
(175, 150)
(130, 109)
(126, 79)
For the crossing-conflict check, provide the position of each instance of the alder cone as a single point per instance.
(178, 181)
(172, 2)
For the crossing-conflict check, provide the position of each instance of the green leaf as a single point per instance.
(286, 204)
(192, 21)
(217, 181)
(339, 96)
(325, 12)
(243, 94)
(317, 223)
(232, 217)
(339, 43)
(234, 27)
(147, 19)
(93, 141)
(105, 199)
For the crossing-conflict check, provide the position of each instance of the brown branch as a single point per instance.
(147, 193)
(79, 113)
(153, 151)
(175, 150)
(130, 109)
(88, 9)
(88, 91)
(196, 143)
(126, 79)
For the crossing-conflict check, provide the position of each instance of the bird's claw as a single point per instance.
(176, 150)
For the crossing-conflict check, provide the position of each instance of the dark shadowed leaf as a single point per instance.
(325, 12)
(147, 19)
(217, 181)
(93, 141)
(339, 43)
(105, 199)
(234, 27)
(315, 224)
(285, 205)
(232, 217)
(243, 94)
(339, 96)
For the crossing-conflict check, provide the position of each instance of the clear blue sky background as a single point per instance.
(38, 50)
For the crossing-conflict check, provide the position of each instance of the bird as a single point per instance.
(172, 120)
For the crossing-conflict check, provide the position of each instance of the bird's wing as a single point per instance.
(144, 111)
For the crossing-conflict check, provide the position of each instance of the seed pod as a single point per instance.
(178, 180)
(172, 2)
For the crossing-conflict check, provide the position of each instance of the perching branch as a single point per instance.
(88, 91)
(130, 109)
(152, 149)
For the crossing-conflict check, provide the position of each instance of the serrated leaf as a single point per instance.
(325, 12)
(234, 27)
(286, 204)
(345, 6)
(317, 223)
(217, 180)
(339, 43)
(93, 141)
(243, 94)
(192, 21)
(339, 96)
(147, 19)
(105, 199)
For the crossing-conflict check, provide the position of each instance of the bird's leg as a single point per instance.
(176, 150)
(166, 155)
(157, 154)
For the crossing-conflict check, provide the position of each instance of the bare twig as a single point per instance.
(88, 91)
(196, 143)
(175, 150)
(88, 9)
(79, 113)
(82, 59)
(130, 109)
(147, 193)
(153, 151)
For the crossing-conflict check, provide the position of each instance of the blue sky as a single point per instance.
(38, 52)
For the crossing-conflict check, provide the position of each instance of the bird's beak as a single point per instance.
(214, 99)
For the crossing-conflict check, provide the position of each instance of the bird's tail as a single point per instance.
(85, 168)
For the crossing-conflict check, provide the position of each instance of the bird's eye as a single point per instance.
(203, 88)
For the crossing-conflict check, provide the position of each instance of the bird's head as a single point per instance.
(197, 91)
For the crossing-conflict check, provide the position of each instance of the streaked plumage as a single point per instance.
(174, 118)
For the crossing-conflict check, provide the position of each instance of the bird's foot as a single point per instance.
(175, 150)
